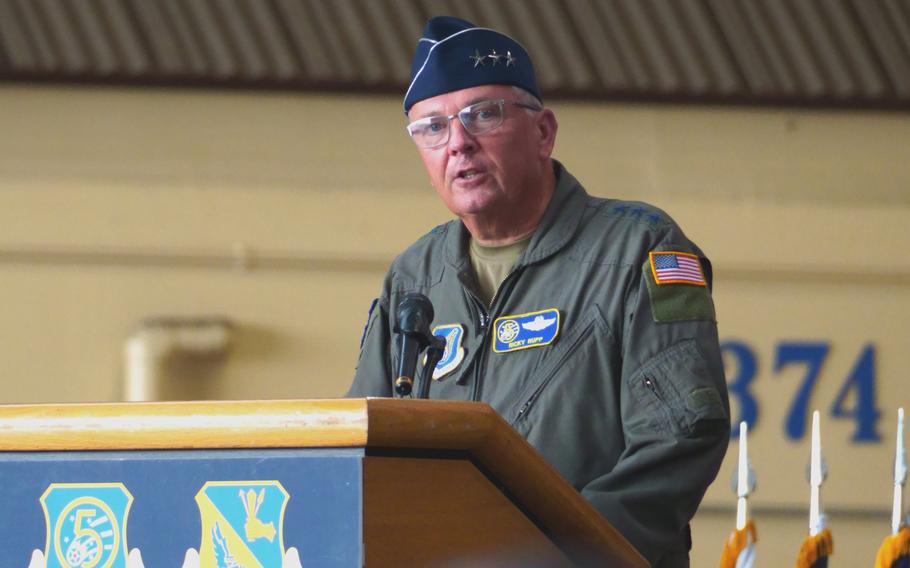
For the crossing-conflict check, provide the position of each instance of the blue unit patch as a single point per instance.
(86, 524)
(523, 331)
(242, 523)
(454, 353)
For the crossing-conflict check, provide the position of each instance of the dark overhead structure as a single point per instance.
(851, 53)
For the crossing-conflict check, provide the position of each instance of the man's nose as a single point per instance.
(460, 140)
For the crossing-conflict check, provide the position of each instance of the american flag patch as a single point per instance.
(676, 268)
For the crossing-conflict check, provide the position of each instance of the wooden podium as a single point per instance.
(375, 482)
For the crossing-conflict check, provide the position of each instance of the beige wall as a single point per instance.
(280, 213)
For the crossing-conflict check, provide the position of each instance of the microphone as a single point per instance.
(412, 324)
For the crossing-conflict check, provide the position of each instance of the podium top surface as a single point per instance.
(184, 425)
(245, 424)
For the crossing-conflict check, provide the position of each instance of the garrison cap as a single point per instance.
(454, 54)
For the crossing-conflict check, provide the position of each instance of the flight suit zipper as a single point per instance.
(651, 385)
(563, 357)
(487, 331)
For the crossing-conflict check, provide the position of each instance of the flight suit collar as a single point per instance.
(556, 229)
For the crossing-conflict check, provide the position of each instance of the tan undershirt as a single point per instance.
(492, 265)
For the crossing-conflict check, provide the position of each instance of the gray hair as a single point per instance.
(524, 97)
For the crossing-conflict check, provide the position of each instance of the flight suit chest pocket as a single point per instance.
(671, 393)
(589, 328)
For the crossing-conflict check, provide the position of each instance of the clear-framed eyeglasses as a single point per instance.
(478, 118)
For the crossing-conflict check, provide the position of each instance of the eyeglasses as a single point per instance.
(479, 118)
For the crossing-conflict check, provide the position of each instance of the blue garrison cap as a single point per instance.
(455, 54)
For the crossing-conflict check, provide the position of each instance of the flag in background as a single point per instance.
(739, 548)
(895, 550)
(819, 545)
(815, 550)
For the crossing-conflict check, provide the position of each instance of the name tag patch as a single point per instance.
(523, 331)
(454, 353)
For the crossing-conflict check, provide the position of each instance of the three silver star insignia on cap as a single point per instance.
(492, 56)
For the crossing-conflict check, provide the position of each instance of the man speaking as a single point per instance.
(587, 323)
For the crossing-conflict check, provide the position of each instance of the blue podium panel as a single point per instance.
(235, 507)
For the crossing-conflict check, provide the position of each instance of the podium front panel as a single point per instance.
(249, 505)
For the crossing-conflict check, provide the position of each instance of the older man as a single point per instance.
(587, 323)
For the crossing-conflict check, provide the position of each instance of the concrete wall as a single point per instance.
(281, 212)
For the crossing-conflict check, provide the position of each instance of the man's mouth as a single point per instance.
(468, 174)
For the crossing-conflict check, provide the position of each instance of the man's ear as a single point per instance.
(546, 132)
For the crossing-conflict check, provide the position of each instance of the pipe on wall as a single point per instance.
(175, 358)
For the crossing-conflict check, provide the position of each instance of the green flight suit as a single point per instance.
(633, 412)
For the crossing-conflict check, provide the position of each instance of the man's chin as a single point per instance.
(475, 210)
(481, 201)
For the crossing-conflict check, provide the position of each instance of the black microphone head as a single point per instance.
(414, 315)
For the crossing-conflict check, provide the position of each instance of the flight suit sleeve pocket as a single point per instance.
(672, 394)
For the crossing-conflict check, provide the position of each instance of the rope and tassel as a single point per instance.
(895, 550)
(736, 543)
(815, 548)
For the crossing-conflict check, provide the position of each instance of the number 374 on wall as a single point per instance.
(741, 365)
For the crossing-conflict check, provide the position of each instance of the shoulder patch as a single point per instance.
(453, 333)
(677, 301)
(671, 267)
